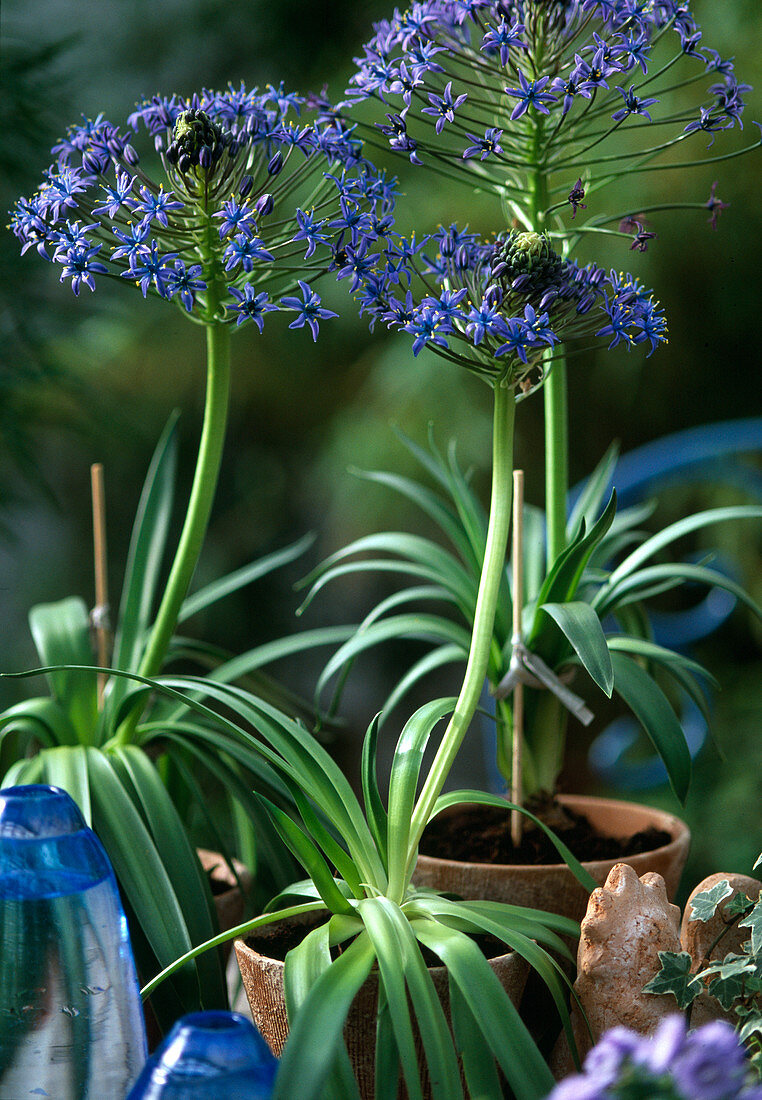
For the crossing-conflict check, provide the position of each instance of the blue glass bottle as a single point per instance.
(71, 1024)
(209, 1056)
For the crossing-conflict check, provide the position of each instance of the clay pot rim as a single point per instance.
(660, 818)
(215, 865)
(241, 946)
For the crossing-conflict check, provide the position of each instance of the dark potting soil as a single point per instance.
(482, 834)
(276, 940)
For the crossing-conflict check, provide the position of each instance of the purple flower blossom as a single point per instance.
(443, 107)
(706, 1064)
(250, 305)
(531, 94)
(576, 195)
(632, 105)
(484, 146)
(185, 282)
(212, 159)
(715, 206)
(308, 309)
(502, 38)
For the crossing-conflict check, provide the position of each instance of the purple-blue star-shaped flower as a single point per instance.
(531, 94)
(309, 309)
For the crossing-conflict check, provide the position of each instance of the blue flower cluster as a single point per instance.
(249, 206)
(506, 91)
(675, 1064)
(496, 306)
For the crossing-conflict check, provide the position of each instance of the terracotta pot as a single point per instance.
(229, 898)
(552, 887)
(263, 981)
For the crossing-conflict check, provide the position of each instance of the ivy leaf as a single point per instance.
(738, 905)
(752, 1025)
(675, 977)
(754, 921)
(704, 905)
(729, 986)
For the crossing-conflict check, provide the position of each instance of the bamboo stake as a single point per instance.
(100, 611)
(517, 557)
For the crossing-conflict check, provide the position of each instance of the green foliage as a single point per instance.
(735, 980)
(587, 611)
(374, 928)
(113, 767)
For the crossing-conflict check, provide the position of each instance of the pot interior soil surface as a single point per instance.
(481, 834)
(276, 940)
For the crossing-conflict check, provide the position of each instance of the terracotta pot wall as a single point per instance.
(552, 887)
(263, 981)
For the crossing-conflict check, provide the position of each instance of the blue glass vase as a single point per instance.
(209, 1056)
(71, 1023)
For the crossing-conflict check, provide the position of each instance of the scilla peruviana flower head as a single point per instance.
(498, 306)
(524, 97)
(235, 211)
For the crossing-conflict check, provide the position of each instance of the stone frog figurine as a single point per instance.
(629, 920)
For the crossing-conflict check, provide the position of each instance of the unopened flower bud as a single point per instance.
(275, 165)
(264, 204)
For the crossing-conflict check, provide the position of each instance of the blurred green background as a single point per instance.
(94, 379)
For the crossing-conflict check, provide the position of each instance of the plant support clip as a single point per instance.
(529, 669)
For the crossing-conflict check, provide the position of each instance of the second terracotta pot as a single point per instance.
(262, 977)
(553, 887)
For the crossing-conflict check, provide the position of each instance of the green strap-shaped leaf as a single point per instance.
(41, 718)
(23, 771)
(429, 502)
(561, 582)
(478, 1064)
(61, 633)
(596, 487)
(688, 674)
(582, 629)
(304, 965)
(387, 1070)
(404, 774)
(427, 559)
(336, 854)
(392, 966)
(138, 866)
(310, 858)
(397, 943)
(674, 574)
(678, 530)
(429, 628)
(191, 887)
(651, 707)
(67, 767)
(209, 595)
(496, 921)
(316, 1032)
(442, 655)
(144, 559)
(375, 810)
(491, 1009)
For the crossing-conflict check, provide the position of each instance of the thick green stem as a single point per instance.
(200, 502)
(556, 458)
(555, 394)
(481, 637)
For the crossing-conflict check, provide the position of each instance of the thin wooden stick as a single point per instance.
(100, 613)
(517, 558)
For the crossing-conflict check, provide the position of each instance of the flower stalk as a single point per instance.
(484, 618)
(201, 497)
